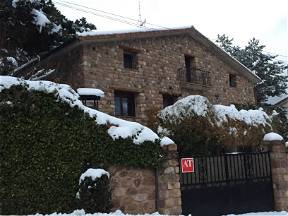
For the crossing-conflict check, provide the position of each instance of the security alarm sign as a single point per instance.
(187, 165)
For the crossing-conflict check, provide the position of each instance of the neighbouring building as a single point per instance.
(279, 101)
(142, 72)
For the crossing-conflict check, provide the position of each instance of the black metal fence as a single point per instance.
(228, 168)
(231, 183)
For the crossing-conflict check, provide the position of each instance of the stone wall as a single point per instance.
(169, 192)
(133, 190)
(279, 162)
(138, 191)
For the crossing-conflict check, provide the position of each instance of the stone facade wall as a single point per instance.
(160, 61)
(279, 161)
(138, 191)
(160, 71)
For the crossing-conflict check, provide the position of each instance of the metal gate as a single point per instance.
(231, 183)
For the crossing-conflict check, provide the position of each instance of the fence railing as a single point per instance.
(194, 76)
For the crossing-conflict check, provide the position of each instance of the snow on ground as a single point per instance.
(119, 128)
(93, 173)
(119, 213)
(82, 213)
(200, 106)
(272, 137)
(263, 214)
(90, 91)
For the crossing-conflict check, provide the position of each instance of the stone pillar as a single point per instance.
(279, 164)
(169, 192)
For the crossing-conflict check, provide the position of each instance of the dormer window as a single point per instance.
(90, 96)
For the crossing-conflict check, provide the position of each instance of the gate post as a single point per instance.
(279, 165)
(169, 192)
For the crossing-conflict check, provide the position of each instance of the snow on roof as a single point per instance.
(196, 105)
(40, 19)
(90, 91)
(95, 32)
(120, 128)
(93, 173)
(276, 99)
(272, 137)
(125, 31)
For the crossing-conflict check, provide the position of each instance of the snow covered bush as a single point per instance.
(94, 193)
(47, 136)
(199, 127)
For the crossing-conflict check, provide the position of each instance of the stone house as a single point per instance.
(142, 72)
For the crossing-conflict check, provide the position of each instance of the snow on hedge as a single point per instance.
(119, 128)
(250, 117)
(272, 137)
(188, 106)
(196, 105)
(82, 213)
(93, 174)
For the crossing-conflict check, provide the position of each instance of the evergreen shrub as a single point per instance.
(95, 195)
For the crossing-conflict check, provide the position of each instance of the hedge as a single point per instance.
(44, 147)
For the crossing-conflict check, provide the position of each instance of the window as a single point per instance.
(91, 101)
(189, 65)
(124, 103)
(130, 59)
(169, 100)
(232, 80)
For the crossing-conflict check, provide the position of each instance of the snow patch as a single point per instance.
(90, 91)
(13, 61)
(93, 174)
(40, 19)
(272, 137)
(166, 141)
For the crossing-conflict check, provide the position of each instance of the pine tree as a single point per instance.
(31, 27)
(266, 66)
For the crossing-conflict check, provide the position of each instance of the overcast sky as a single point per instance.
(266, 20)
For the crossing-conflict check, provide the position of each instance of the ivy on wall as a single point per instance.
(44, 147)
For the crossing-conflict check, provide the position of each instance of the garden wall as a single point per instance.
(148, 190)
(279, 162)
